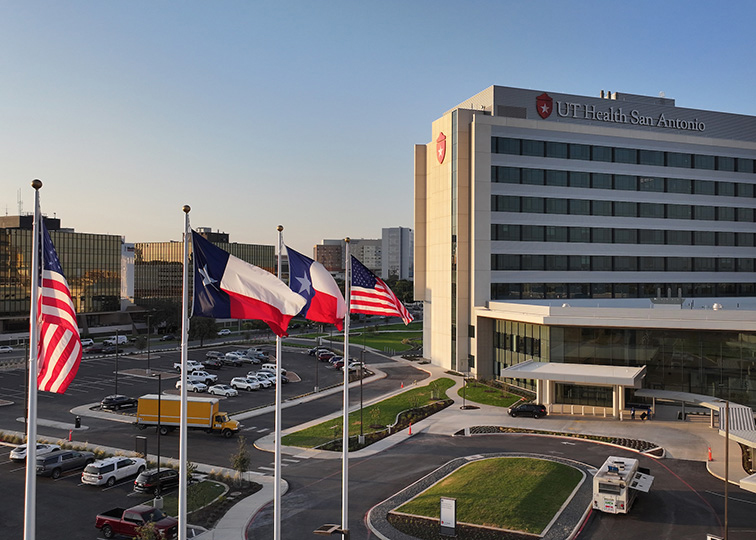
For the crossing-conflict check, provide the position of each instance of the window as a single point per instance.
(505, 232)
(744, 214)
(704, 212)
(704, 187)
(745, 190)
(557, 234)
(556, 178)
(533, 148)
(704, 238)
(626, 236)
(679, 238)
(679, 211)
(652, 264)
(601, 153)
(580, 151)
(505, 262)
(679, 185)
(726, 189)
(651, 157)
(532, 233)
(579, 207)
(650, 236)
(557, 150)
(579, 290)
(507, 146)
(506, 175)
(533, 205)
(505, 203)
(676, 159)
(580, 262)
(745, 165)
(744, 239)
(745, 265)
(601, 235)
(625, 209)
(580, 179)
(533, 262)
(650, 183)
(703, 162)
(601, 290)
(725, 238)
(725, 163)
(601, 181)
(679, 264)
(625, 155)
(580, 234)
(601, 208)
(601, 263)
(705, 264)
(725, 213)
(626, 264)
(651, 210)
(557, 263)
(532, 176)
(726, 264)
(626, 182)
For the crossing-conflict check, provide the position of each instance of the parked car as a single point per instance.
(254, 358)
(272, 376)
(118, 401)
(208, 378)
(231, 359)
(86, 342)
(168, 337)
(213, 363)
(224, 332)
(156, 481)
(535, 410)
(233, 355)
(19, 452)
(253, 351)
(222, 390)
(272, 368)
(96, 348)
(191, 365)
(245, 383)
(110, 470)
(109, 349)
(56, 463)
(193, 386)
(264, 382)
(325, 356)
(214, 354)
(126, 521)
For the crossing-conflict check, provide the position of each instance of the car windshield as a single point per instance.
(153, 515)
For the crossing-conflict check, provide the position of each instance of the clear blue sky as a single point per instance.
(304, 113)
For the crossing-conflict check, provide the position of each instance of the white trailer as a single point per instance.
(617, 483)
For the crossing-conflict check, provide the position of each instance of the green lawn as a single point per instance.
(197, 496)
(487, 395)
(396, 337)
(521, 494)
(380, 414)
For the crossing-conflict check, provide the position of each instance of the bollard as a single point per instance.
(70, 435)
(402, 384)
(710, 458)
(410, 428)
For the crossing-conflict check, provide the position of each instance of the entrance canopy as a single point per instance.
(577, 373)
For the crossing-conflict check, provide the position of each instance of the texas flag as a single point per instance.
(309, 278)
(225, 287)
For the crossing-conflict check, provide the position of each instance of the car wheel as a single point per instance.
(110, 483)
(163, 430)
(536, 416)
(227, 433)
(107, 531)
(140, 470)
(56, 474)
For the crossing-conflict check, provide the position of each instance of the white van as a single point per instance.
(272, 368)
(116, 340)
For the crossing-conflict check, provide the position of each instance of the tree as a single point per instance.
(202, 328)
(147, 532)
(241, 460)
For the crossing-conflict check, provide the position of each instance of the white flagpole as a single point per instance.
(30, 501)
(345, 427)
(277, 429)
(183, 455)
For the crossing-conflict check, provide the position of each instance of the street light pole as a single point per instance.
(362, 375)
(116, 363)
(149, 371)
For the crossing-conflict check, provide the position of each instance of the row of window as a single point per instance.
(606, 235)
(584, 207)
(588, 152)
(624, 182)
(524, 291)
(605, 263)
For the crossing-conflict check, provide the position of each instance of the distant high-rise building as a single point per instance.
(397, 246)
(368, 251)
(330, 256)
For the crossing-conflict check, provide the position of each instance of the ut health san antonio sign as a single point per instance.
(545, 105)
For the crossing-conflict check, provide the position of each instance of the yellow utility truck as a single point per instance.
(202, 413)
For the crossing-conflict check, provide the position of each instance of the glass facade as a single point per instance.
(90, 262)
(158, 268)
(713, 363)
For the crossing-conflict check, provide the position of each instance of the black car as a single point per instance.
(152, 481)
(118, 401)
(528, 409)
(168, 337)
(230, 361)
(212, 363)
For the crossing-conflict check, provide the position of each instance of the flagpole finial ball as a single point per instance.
(187, 208)
(279, 228)
(36, 184)
(346, 239)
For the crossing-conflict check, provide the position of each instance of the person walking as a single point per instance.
(632, 413)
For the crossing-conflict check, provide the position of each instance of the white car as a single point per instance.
(193, 386)
(208, 378)
(110, 470)
(214, 354)
(19, 452)
(87, 342)
(222, 390)
(224, 332)
(6, 348)
(245, 383)
(191, 365)
(263, 381)
(268, 375)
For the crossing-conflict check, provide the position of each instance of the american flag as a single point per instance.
(370, 295)
(59, 343)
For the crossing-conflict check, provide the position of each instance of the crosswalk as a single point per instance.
(270, 469)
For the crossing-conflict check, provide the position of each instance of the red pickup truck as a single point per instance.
(126, 521)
